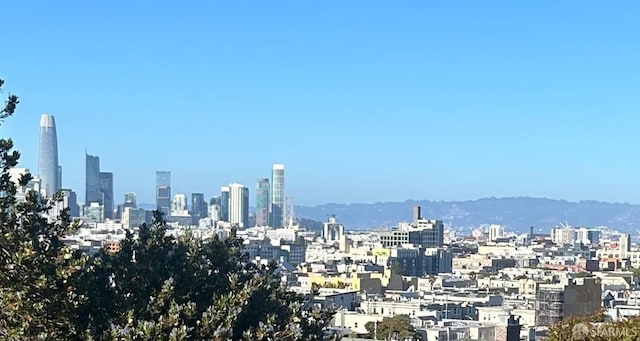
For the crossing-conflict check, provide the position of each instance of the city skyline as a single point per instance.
(444, 101)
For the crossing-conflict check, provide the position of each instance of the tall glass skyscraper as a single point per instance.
(277, 196)
(198, 206)
(106, 188)
(262, 202)
(48, 156)
(163, 192)
(92, 181)
(224, 203)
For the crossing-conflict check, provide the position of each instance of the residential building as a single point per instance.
(496, 232)
(572, 297)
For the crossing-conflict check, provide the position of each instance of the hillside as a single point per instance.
(517, 214)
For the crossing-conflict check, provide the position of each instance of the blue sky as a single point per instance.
(363, 101)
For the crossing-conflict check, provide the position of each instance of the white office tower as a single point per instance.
(238, 205)
(496, 232)
(214, 212)
(179, 206)
(332, 231)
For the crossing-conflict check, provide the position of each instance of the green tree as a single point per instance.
(38, 279)
(635, 272)
(398, 326)
(595, 328)
(158, 287)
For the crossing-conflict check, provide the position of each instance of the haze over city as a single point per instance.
(362, 102)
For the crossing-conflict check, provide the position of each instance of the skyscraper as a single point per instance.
(238, 205)
(163, 192)
(214, 209)
(92, 181)
(198, 206)
(277, 196)
(262, 202)
(224, 203)
(69, 200)
(179, 205)
(130, 200)
(106, 188)
(60, 176)
(48, 155)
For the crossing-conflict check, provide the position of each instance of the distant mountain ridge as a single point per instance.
(515, 213)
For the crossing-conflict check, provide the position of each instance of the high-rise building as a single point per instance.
(179, 206)
(214, 209)
(277, 196)
(92, 181)
(70, 201)
(48, 166)
(163, 192)
(94, 213)
(238, 205)
(198, 206)
(496, 232)
(262, 202)
(60, 176)
(332, 231)
(106, 188)
(130, 200)
(134, 217)
(224, 203)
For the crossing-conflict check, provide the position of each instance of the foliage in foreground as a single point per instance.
(157, 287)
(595, 328)
(398, 326)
